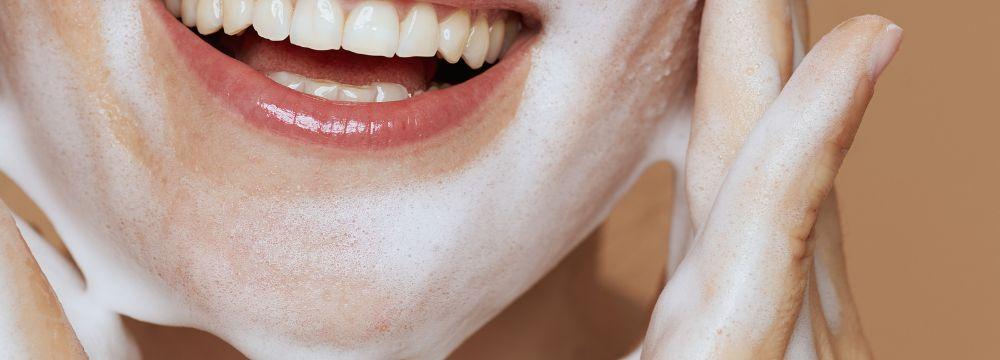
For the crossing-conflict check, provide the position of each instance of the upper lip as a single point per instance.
(527, 9)
(358, 126)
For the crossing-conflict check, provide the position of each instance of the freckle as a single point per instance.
(382, 326)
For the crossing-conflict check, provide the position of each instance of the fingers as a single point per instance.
(831, 315)
(800, 30)
(810, 339)
(32, 322)
(745, 57)
(833, 293)
(681, 232)
(788, 163)
(738, 292)
(768, 204)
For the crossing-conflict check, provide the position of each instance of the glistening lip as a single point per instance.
(351, 126)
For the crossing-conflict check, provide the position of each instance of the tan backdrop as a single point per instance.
(921, 189)
(920, 194)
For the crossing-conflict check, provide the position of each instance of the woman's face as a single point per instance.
(183, 205)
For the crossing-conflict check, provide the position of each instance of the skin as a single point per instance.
(40, 328)
(178, 213)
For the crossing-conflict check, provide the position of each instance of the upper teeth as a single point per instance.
(370, 27)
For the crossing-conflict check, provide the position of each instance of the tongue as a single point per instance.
(340, 66)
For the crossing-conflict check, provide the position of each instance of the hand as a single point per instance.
(761, 162)
(43, 295)
(32, 322)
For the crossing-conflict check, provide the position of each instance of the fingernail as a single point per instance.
(884, 49)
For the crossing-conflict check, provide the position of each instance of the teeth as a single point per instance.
(433, 87)
(386, 92)
(237, 15)
(511, 29)
(377, 92)
(317, 24)
(372, 29)
(478, 43)
(453, 34)
(189, 12)
(209, 16)
(438, 86)
(174, 6)
(357, 94)
(292, 81)
(272, 19)
(324, 89)
(418, 34)
(497, 31)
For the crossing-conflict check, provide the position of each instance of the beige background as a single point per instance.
(920, 194)
(921, 189)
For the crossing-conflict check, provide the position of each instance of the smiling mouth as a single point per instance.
(351, 74)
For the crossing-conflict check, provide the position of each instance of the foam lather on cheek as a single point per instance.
(123, 31)
(402, 271)
(35, 130)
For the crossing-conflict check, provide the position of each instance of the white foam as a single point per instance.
(433, 260)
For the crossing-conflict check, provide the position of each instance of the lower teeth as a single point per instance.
(375, 92)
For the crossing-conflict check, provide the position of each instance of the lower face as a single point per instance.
(258, 190)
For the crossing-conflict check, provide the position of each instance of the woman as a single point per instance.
(323, 179)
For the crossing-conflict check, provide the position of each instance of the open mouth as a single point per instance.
(353, 74)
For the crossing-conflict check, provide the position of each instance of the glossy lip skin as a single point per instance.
(350, 126)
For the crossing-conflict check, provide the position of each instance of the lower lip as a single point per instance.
(351, 126)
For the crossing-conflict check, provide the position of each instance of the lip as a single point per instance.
(277, 109)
